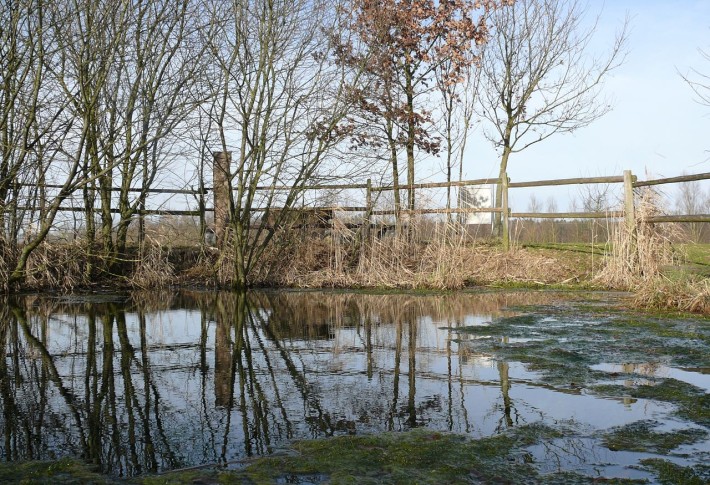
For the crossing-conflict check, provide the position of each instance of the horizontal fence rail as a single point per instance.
(673, 180)
(146, 212)
(120, 189)
(680, 218)
(568, 215)
(629, 181)
(572, 181)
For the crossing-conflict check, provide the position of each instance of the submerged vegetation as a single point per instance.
(641, 436)
(417, 456)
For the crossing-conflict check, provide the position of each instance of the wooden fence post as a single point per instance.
(629, 211)
(220, 183)
(368, 213)
(505, 180)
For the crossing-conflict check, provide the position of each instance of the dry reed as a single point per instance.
(639, 254)
(58, 266)
(7, 257)
(687, 294)
(153, 269)
(446, 261)
(640, 258)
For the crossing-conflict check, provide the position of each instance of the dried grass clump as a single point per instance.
(339, 258)
(223, 267)
(7, 258)
(398, 261)
(58, 266)
(153, 269)
(208, 269)
(687, 295)
(444, 262)
(638, 255)
(290, 262)
(518, 266)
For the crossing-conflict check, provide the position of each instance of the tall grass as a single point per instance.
(63, 266)
(685, 294)
(153, 268)
(446, 260)
(641, 258)
(639, 254)
(7, 256)
(427, 254)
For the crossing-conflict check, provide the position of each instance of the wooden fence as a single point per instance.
(629, 181)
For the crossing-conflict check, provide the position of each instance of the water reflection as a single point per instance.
(146, 384)
(699, 376)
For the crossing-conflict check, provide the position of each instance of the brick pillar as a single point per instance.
(220, 184)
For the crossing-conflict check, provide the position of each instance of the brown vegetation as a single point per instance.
(687, 295)
(447, 260)
(153, 269)
(641, 259)
(639, 255)
(427, 256)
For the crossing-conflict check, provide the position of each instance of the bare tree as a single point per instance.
(278, 107)
(156, 88)
(31, 121)
(700, 82)
(454, 120)
(90, 36)
(94, 95)
(535, 207)
(34, 133)
(538, 77)
(130, 72)
(595, 198)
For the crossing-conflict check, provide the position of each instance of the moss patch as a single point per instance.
(418, 456)
(413, 457)
(671, 473)
(65, 470)
(642, 437)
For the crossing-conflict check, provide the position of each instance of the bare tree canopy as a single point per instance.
(700, 82)
(538, 76)
(278, 103)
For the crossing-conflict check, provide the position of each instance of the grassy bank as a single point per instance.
(418, 456)
(661, 274)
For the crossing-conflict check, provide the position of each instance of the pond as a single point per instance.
(161, 381)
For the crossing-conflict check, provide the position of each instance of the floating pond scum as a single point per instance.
(554, 385)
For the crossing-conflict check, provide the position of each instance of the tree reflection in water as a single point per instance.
(174, 380)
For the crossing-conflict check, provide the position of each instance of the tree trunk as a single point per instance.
(409, 88)
(395, 171)
(497, 216)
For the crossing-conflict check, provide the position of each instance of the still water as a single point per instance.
(155, 382)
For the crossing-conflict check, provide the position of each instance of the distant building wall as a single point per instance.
(476, 197)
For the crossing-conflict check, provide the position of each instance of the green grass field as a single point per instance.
(697, 253)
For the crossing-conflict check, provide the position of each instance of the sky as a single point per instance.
(655, 127)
